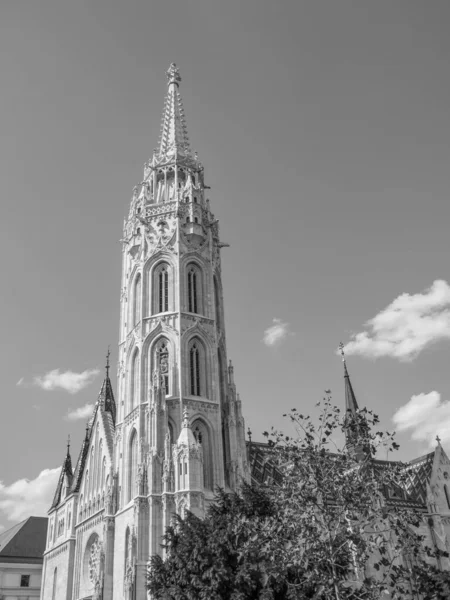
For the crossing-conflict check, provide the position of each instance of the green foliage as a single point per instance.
(330, 530)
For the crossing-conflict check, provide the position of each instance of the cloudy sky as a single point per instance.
(324, 129)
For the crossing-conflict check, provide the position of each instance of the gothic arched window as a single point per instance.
(132, 465)
(194, 289)
(201, 433)
(137, 300)
(194, 369)
(161, 287)
(134, 381)
(162, 362)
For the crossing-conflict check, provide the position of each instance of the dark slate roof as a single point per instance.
(419, 474)
(24, 542)
(263, 471)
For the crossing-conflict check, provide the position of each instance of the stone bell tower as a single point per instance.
(179, 428)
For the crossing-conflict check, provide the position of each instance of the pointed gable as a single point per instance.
(66, 475)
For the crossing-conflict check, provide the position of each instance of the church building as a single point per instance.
(176, 431)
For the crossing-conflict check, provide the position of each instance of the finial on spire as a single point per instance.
(438, 439)
(68, 444)
(173, 74)
(87, 430)
(249, 433)
(107, 362)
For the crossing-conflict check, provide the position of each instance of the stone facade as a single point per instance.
(176, 431)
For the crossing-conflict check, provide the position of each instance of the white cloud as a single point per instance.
(84, 412)
(276, 333)
(407, 326)
(426, 416)
(25, 498)
(20, 382)
(69, 381)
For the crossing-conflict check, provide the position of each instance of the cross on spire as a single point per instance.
(438, 439)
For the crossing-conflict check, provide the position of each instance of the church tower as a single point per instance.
(180, 431)
(176, 432)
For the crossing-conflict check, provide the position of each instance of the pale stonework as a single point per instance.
(150, 455)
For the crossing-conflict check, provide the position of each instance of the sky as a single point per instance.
(324, 130)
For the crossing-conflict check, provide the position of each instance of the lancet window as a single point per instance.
(161, 287)
(194, 368)
(55, 578)
(132, 465)
(447, 495)
(136, 317)
(194, 289)
(134, 381)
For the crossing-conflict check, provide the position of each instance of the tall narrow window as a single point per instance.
(447, 496)
(217, 303)
(132, 465)
(194, 358)
(193, 290)
(55, 573)
(163, 285)
(137, 301)
(162, 357)
(134, 381)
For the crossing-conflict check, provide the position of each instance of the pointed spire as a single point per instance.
(106, 395)
(350, 398)
(174, 137)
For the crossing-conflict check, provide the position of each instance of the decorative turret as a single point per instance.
(188, 458)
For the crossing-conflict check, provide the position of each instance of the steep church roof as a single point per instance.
(26, 540)
(174, 137)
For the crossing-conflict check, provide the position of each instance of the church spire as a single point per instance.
(174, 138)
(106, 396)
(350, 399)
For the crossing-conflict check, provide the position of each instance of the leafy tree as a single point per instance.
(337, 526)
